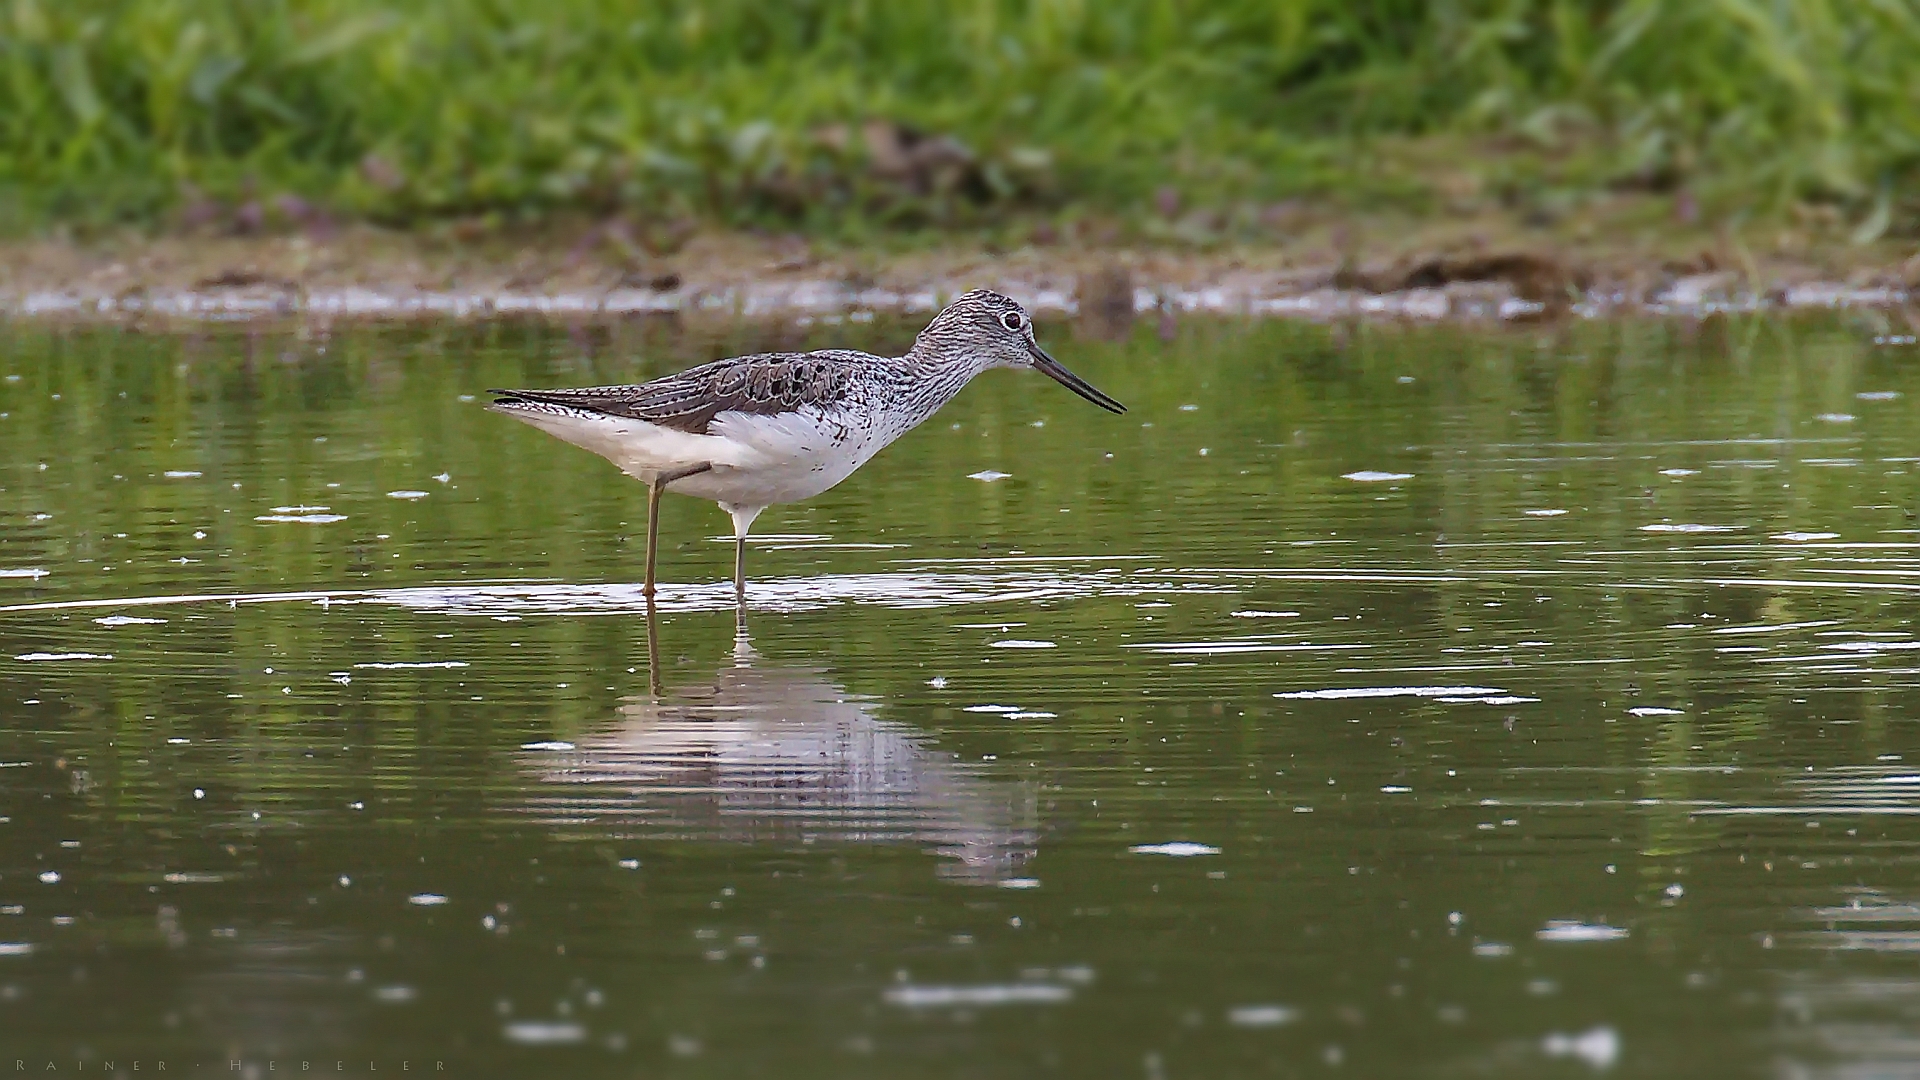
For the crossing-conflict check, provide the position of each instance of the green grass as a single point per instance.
(749, 112)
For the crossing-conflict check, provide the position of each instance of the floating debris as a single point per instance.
(1391, 691)
(1261, 1016)
(544, 1033)
(1177, 848)
(933, 997)
(1599, 1048)
(1562, 930)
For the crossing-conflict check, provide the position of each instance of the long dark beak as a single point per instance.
(1073, 382)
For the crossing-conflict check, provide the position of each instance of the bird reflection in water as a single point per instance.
(779, 754)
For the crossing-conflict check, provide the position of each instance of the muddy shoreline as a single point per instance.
(365, 274)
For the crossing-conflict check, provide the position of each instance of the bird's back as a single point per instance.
(764, 384)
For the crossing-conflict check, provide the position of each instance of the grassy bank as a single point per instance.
(1156, 116)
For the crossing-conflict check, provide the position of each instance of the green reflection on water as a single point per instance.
(890, 833)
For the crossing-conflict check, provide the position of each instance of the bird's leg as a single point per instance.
(653, 649)
(742, 521)
(655, 488)
(740, 574)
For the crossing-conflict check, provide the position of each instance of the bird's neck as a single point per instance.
(936, 376)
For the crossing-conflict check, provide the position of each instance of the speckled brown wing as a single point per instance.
(764, 384)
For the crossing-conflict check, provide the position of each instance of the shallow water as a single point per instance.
(1366, 701)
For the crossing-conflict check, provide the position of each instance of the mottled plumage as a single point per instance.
(752, 431)
(762, 384)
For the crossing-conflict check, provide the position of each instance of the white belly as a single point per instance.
(757, 460)
(784, 458)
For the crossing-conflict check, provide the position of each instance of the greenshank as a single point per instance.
(753, 431)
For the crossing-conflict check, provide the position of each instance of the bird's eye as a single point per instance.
(1012, 321)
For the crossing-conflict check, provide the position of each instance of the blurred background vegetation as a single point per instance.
(854, 117)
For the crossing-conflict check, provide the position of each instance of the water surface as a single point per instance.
(1366, 701)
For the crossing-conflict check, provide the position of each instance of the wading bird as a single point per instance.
(753, 431)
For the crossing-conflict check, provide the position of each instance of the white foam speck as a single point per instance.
(301, 519)
(1490, 699)
(1374, 476)
(1394, 789)
(1878, 395)
(35, 656)
(992, 708)
(1021, 643)
(989, 475)
(15, 948)
(24, 572)
(1653, 710)
(192, 877)
(1599, 1048)
(1689, 528)
(1492, 949)
(934, 997)
(1390, 691)
(1176, 848)
(1802, 536)
(1563, 930)
(551, 744)
(128, 620)
(401, 666)
(50, 877)
(1020, 883)
(181, 474)
(1252, 614)
(1679, 472)
(396, 995)
(1031, 714)
(426, 899)
(1835, 418)
(1543, 513)
(407, 493)
(1258, 1016)
(544, 1033)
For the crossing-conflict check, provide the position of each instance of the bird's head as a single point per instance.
(989, 330)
